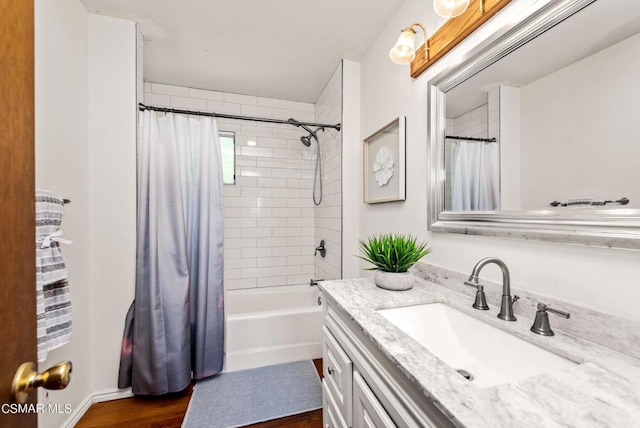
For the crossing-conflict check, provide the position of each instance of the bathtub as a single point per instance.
(272, 325)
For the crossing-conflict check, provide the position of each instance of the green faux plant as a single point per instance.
(390, 252)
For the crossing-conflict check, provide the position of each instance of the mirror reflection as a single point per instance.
(553, 125)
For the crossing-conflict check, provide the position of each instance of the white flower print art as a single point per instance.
(383, 172)
(383, 167)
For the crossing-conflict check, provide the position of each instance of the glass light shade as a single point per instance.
(404, 50)
(450, 8)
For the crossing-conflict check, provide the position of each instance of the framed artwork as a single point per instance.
(384, 164)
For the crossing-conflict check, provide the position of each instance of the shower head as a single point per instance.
(306, 139)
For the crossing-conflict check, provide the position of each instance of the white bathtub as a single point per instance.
(272, 325)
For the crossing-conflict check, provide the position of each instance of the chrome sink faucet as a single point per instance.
(506, 309)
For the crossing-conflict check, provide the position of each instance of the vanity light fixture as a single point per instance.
(451, 8)
(404, 51)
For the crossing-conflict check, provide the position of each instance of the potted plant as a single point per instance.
(391, 256)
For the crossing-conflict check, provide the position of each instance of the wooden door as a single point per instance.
(17, 209)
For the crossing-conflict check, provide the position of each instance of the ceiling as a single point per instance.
(284, 49)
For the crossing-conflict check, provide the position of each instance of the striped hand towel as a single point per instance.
(53, 301)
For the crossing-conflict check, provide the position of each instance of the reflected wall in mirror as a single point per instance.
(536, 134)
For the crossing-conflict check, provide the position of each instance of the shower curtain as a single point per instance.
(476, 178)
(175, 327)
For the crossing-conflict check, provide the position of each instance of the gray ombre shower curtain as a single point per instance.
(175, 327)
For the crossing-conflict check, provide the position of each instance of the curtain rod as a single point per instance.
(292, 122)
(484, 140)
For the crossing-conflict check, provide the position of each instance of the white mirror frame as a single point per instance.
(614, 228)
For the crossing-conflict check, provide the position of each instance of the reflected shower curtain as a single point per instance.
(176, 324)
(476, 178)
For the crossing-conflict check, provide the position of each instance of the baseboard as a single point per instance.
(94, 397)
(78, 412)
(111, 394)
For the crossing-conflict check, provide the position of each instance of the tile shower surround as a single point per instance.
(269, 212)
(328, 215)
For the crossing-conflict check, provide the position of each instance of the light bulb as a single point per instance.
(450, 8)
(404, 50)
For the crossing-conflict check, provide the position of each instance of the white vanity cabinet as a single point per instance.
(362, 387)
(338, 380)
(367, 410)
(331, 414)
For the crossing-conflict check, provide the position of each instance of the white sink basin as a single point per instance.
(492, 356)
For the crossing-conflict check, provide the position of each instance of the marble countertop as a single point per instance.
(603, 389)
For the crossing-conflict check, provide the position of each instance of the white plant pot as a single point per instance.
(396, 281)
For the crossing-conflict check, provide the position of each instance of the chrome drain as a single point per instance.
(465, 374)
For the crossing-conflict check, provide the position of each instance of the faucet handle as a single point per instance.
(481, 301)
(472, 284)
(541, 324)
(542, 308)
(321, 248)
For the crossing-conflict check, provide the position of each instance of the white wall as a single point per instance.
(269, 213)
(387, 92)
(62, 165)
(85, 151)
(351, 166)
(586, 276)
(328, 215)
(509, 111)
(112, 142)
(139, 66)
(585, 139)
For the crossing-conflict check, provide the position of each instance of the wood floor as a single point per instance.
(168, 412)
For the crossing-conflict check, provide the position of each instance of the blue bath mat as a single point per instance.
(250, 396)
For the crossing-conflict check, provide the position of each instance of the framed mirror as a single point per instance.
(535, 134)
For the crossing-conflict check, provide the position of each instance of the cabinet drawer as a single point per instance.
(338, 374)
(331, 416)
(367, 410)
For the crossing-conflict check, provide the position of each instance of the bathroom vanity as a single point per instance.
(380, 373)
(544, 92)
(362, 387)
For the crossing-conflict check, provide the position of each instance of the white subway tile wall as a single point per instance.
(328, 216)
(269, 213)
(493, 106)
(473, 123)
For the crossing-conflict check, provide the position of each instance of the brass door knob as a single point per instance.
(27, 379)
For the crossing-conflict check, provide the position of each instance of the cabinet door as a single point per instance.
(367, 410)
(331, 415)
(338, 374)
